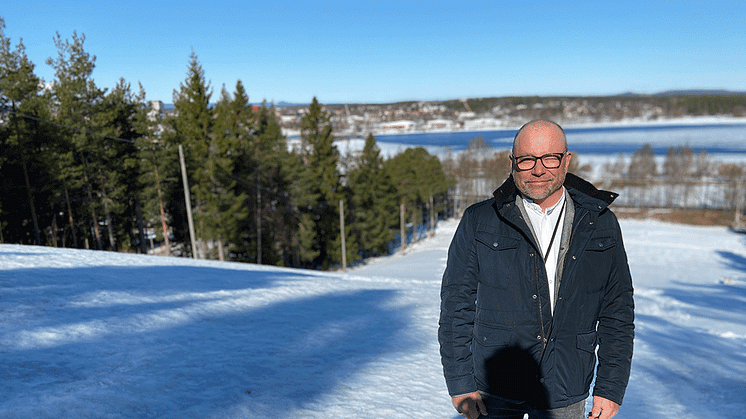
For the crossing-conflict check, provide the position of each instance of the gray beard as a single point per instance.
(527, 193)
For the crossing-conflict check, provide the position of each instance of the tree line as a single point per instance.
(682, 178)
(480, 169)
(605, 108)
(83, 166)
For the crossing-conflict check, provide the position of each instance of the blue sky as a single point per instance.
(385, 51)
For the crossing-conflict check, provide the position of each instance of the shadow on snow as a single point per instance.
(270, 358)
(735, 261)
(690, 373)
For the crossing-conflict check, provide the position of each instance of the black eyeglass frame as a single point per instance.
(515, 160)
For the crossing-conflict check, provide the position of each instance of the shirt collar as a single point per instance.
(529, 204)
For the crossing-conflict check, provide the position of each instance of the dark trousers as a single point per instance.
(498, 408)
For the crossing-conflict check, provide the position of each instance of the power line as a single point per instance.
(68, 127)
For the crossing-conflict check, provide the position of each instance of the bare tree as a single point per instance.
(733, 175)
(641, 172)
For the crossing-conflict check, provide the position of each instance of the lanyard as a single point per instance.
(556, 227)
(546, 256)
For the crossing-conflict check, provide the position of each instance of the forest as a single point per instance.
(85, 166)
(92, 167)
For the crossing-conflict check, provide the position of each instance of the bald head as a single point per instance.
(536, 141)
(538, 127)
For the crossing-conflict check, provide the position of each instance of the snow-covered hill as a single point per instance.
(109, 335)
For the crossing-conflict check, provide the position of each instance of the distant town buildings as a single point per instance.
(157, 111)
(358, 120)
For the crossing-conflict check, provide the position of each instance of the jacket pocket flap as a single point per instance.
(601, 243)
(491, 336)
(587, 341)
(496, 242)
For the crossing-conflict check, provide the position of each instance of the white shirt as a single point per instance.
(544, 226)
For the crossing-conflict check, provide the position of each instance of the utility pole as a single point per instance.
(432, 217)
(166, 241)
(403, 237)
(188, 202)
(258, 221)
(342, 231)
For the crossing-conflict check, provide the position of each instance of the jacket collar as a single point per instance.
(582, 192)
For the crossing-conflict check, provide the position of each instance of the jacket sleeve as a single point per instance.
(616, 329)
(457, 309)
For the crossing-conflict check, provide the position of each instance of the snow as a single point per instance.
(110, 335)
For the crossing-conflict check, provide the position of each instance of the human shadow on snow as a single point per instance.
(275, 357)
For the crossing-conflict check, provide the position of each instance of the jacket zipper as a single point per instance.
(545, 337)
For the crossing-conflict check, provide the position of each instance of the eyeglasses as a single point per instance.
(550, 161)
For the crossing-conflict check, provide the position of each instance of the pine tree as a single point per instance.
(18, 86)
(158, 167)
(235, 122)
(418, 176)
(75, 99)
(24, 142)
(320, 190)
(192, 128)
(266, 172)
(226, 203)
(276, 169)
(120, 120)
(374, 201)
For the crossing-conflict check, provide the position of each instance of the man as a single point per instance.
(537, 278)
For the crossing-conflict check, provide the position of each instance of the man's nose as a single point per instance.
(539, 168)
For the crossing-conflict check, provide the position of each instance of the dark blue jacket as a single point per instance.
(497, 333)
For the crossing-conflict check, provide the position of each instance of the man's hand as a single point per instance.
(470, 405)
(603, 409)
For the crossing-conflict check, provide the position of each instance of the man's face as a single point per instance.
(539, 140)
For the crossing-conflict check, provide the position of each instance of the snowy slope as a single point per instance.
(108, 335)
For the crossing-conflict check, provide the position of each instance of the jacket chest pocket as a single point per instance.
(600, 244)
(598, 259)
(497, 258)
